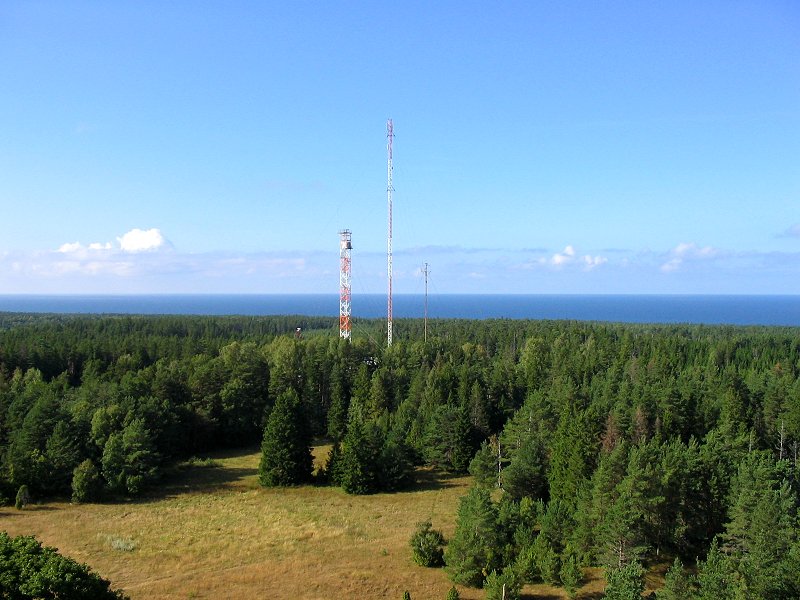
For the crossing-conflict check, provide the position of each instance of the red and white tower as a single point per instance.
(345, 246)
(389, 190)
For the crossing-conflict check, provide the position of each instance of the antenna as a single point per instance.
(426, 271)
(345, 246)
(389, 190)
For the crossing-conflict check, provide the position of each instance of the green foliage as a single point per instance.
(625, 583)
(677, 584)
(717, 578)
(358, 466)
(129, 461)
(30, 570)
(483, 466)
(87, 484)
(763, 525)
(474, 549)
(571, 574)
(526, 475)
(426, 545)
(286, 448)
(640, 440)
(504, 586)
(546, 560)
(23, 497)
(452, 594)
(448, 439)
(406, 595)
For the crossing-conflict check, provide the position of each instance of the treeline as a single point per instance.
(613, 444)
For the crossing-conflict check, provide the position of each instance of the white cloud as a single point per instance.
(590, 262)
(139, 240)
(99, 246)
(685, 252)
(70, 247)
(564, 257)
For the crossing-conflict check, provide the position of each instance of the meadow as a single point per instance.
(213, 532)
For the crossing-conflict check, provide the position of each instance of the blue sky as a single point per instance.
(576, 147)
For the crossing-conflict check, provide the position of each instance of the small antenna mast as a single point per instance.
(389, 190)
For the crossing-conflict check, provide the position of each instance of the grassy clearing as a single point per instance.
(213, 532)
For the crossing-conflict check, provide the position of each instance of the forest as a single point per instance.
(589, 444)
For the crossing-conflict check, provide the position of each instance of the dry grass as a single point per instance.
(215, 533)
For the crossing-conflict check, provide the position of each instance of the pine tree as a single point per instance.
(285, 450)
(677, 584)
(625, 583)
(762, 527)
(571, 575)
(717, 577)
(503, 586)
(426, 546)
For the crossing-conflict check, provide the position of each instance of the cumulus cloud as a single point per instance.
(591, 262)
(569, 256)
(684, 252)
(139, 240)
(562, 258)
(78, 248)
(70, 247)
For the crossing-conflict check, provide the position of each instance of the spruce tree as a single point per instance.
(475, 548)
(358, 469)
(285, 450)
(526, 475)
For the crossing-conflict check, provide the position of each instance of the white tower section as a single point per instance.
(345, 246)
(389, 190)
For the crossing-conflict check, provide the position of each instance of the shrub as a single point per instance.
(86, 482)
(426, 545)
(453, 594)
(23, 497)
(30, 570)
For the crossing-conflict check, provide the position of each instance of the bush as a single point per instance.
(426, 545)
(86, 482)
(29, 570)
(23, 497)
(453, 594)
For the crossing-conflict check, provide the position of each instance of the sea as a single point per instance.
(700, 309)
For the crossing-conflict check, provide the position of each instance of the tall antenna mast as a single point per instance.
(389, 190)
(425, 271)
(345, 246)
